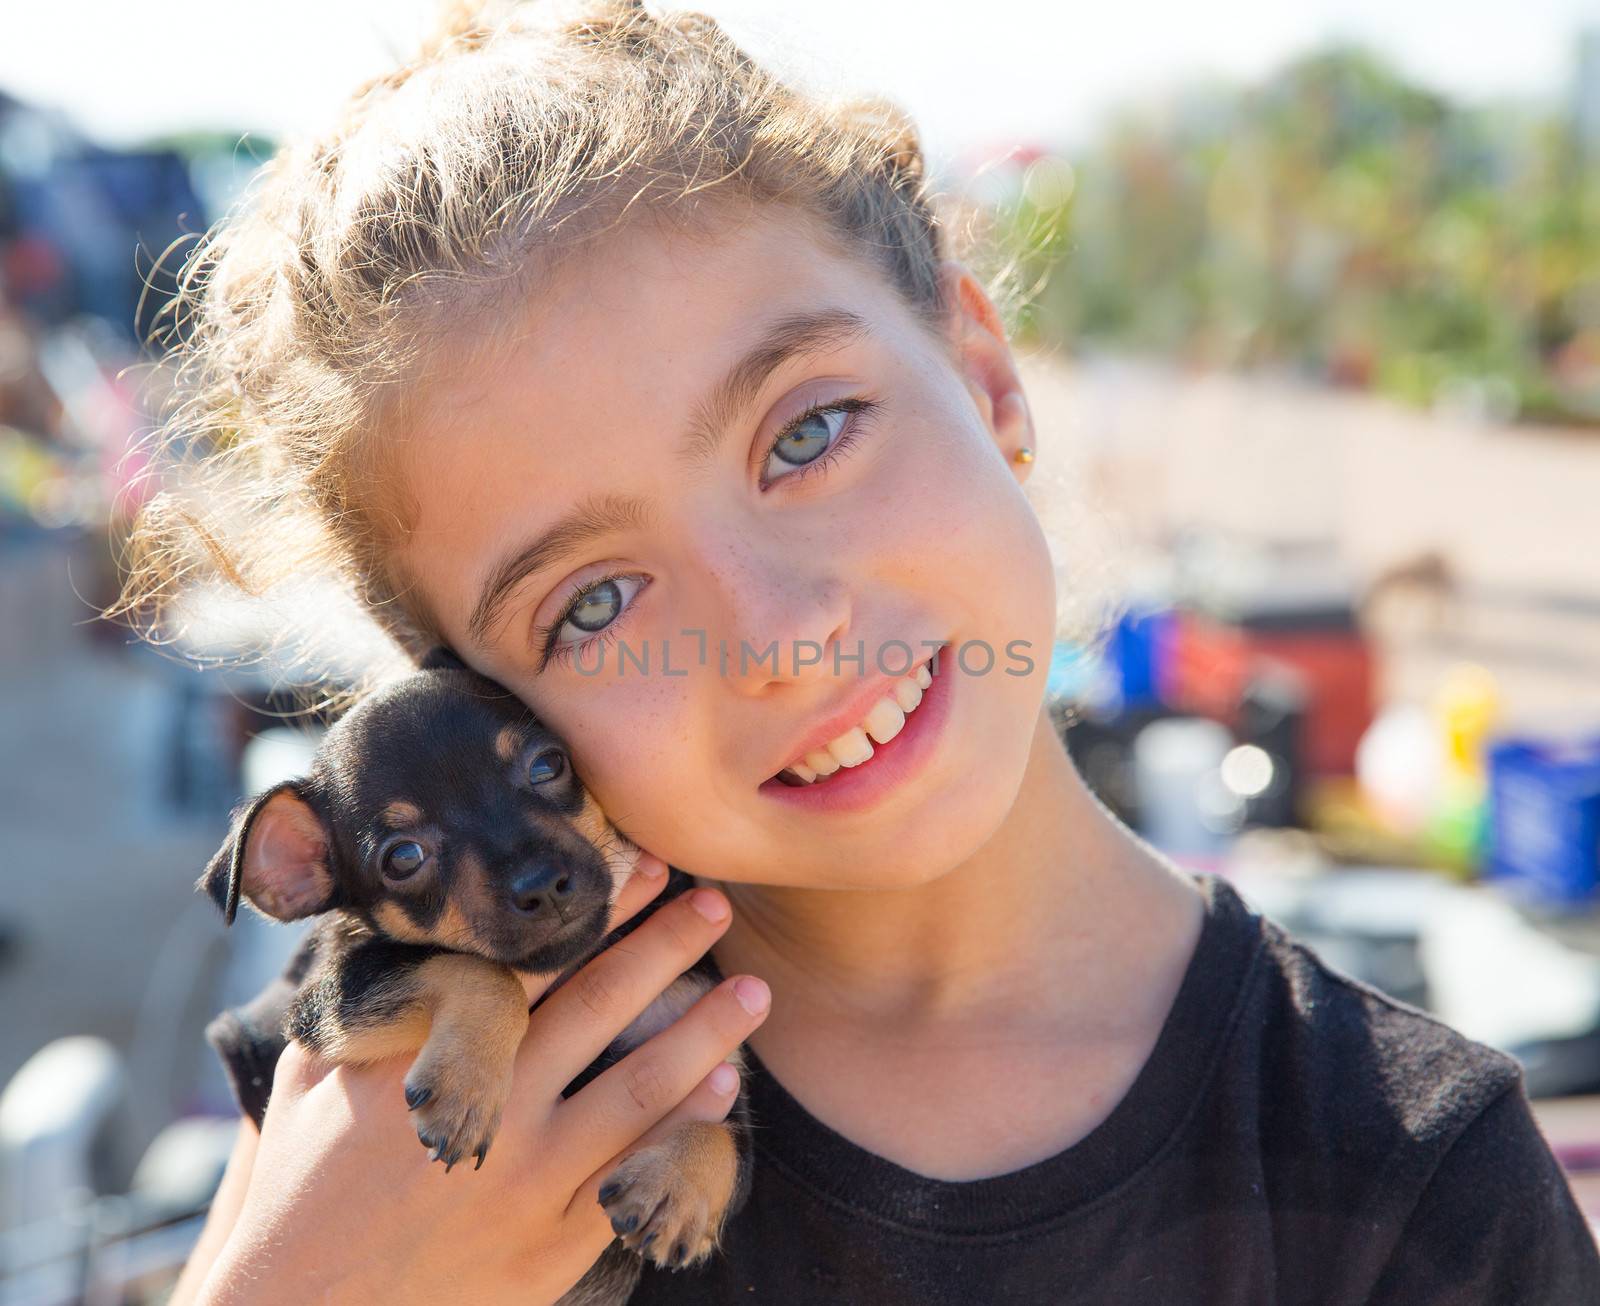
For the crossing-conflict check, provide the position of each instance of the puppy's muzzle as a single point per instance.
(546, 889)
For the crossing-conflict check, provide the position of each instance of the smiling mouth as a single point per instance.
(883, 721)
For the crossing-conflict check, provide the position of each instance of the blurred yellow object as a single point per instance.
(1466, 709)
(25, 465)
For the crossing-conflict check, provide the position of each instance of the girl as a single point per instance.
(649, 385)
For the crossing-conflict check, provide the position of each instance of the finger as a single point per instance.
(648, 878)
(582, 1018)
(620, 1105)
(710, 1101)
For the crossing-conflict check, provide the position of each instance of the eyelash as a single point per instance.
(859, 408)
(855, 405)
(563, 654)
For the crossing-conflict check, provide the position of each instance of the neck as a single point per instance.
(1045, 918)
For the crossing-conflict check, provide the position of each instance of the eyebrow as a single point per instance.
(786, 338)
(585, 522)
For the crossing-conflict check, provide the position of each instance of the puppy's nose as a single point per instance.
(541, 887)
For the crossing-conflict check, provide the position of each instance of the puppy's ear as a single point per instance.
(277, 856)
(443, 658)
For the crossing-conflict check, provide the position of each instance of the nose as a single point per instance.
(541, 887)
(782, 612)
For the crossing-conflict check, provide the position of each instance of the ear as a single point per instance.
(443, 658)
(980, 348)
(277, 856)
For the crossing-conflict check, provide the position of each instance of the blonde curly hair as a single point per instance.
(305, 318)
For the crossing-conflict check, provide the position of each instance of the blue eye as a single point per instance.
(546, 766)
(592, 609)
(808, 438)
(815, 439)
(596, 608)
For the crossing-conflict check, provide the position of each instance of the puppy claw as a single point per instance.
(666, 1201)
(454, 1124)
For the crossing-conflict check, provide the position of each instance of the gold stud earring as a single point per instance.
(1023, 455)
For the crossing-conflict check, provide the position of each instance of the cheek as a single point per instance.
(960, 521)
(629, 739)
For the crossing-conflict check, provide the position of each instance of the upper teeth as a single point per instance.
(883, 721)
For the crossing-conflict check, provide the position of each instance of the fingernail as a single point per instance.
(752, 993)
(724, 1079)
(713, 906)
(650, 866)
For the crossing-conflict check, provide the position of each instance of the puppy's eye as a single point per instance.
(546, 766)
(403, 859)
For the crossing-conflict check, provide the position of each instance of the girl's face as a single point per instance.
(633, 494)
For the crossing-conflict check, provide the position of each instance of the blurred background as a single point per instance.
(1309, 299)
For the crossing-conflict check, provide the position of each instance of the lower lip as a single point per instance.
(850, 789)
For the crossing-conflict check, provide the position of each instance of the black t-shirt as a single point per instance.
(1295, 1136)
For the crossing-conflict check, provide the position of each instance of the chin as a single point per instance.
(571, 943)
(910, 859)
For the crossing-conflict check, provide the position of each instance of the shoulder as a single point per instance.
(1394, 1080)
(1377, 1113)
(1496, 1221)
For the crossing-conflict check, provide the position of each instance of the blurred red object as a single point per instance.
(30, 265)
(1209, 661)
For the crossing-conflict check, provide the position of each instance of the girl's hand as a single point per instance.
(343, 1205)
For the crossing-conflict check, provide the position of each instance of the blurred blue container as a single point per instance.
(1544, 815)
(1135, 651)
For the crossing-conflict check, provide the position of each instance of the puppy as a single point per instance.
(446, 843)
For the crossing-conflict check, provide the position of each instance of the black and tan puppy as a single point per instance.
(447, 844)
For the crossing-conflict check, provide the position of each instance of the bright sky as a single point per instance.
(972, 74)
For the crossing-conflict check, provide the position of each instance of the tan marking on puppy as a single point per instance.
(507, 742)
(686, 1180)
(451, 930)
(467, 1015)
(590, 821)
(480, 1013)
(402, 815)
(374, 1037)
(620, 852)
(472, 893)
(397, 925)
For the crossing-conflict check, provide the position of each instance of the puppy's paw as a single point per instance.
(666, 1201)
(456, 1116)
